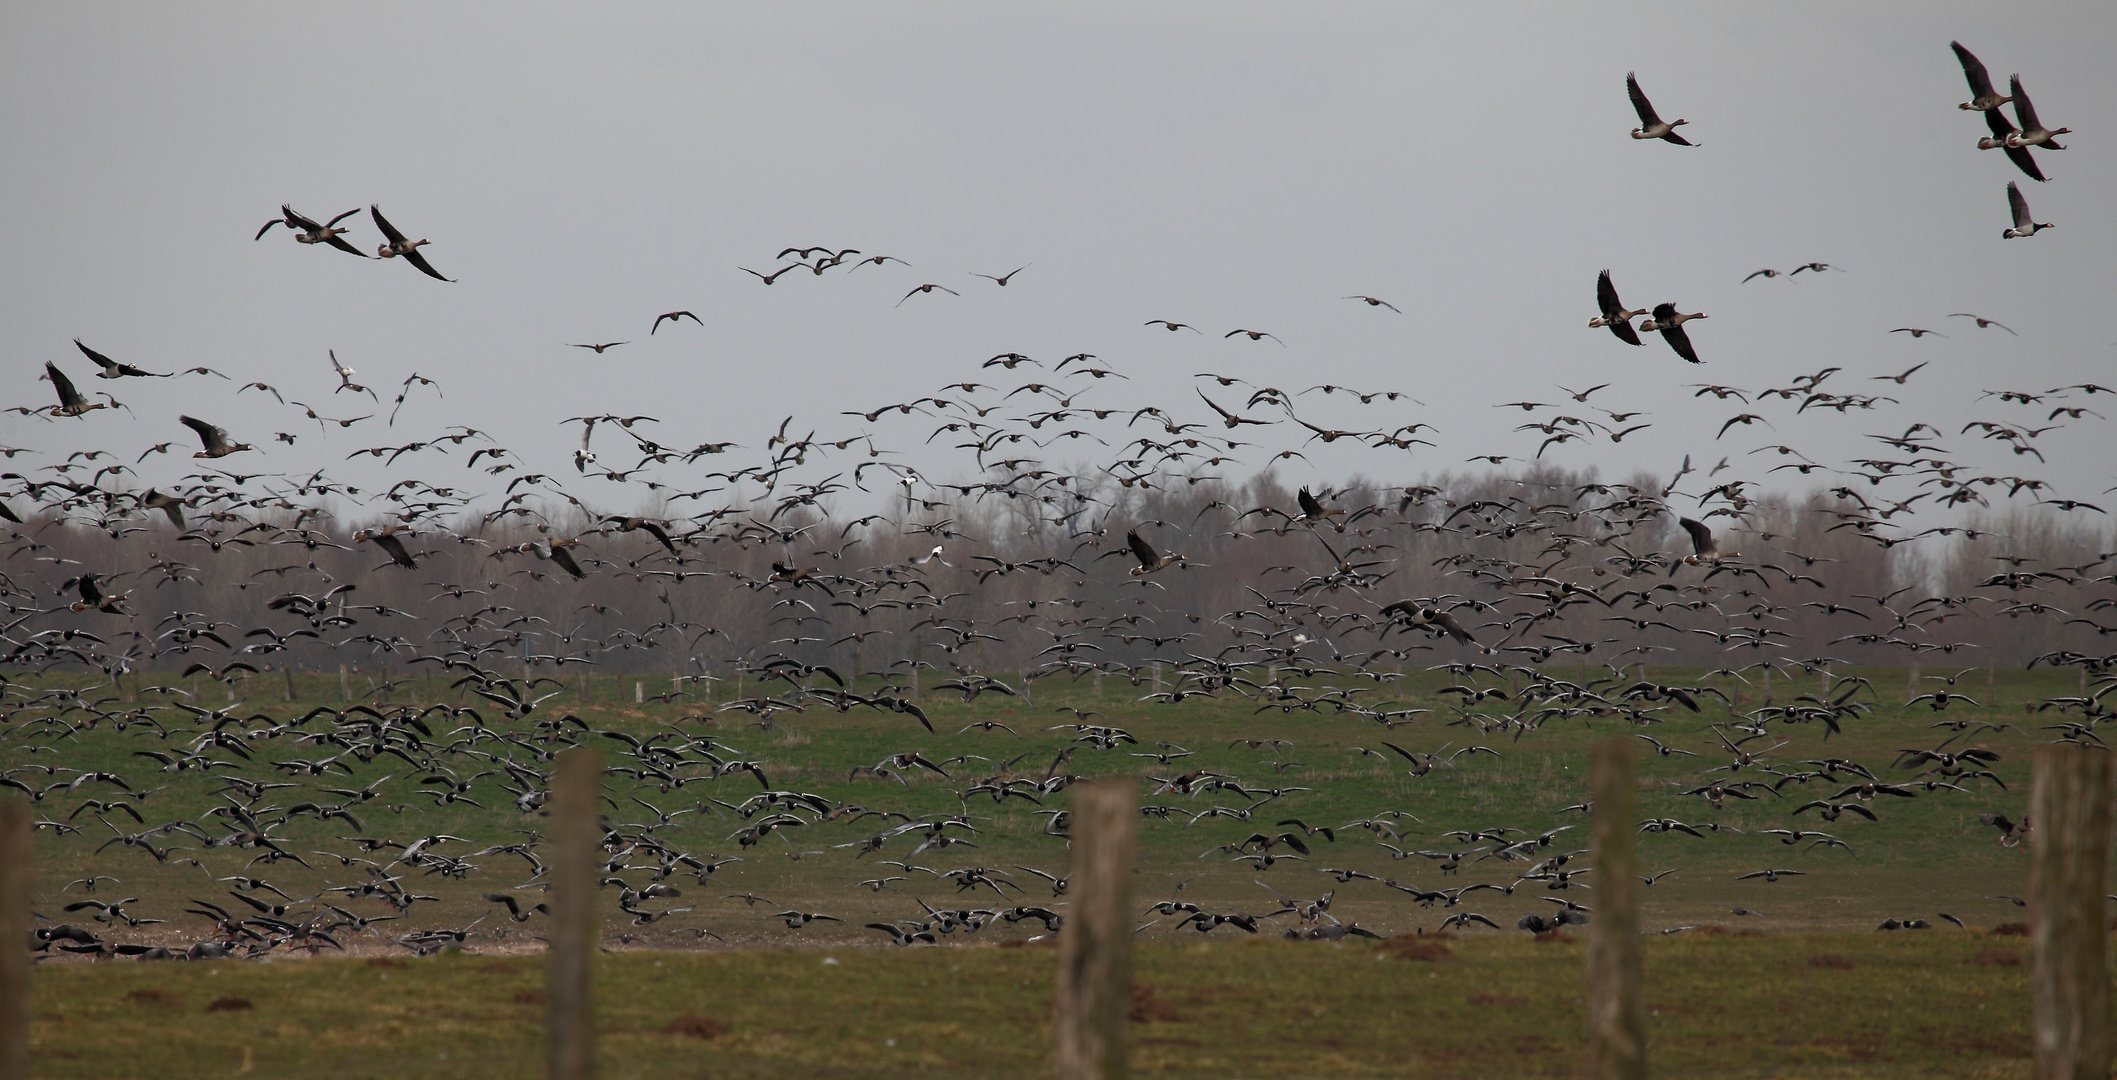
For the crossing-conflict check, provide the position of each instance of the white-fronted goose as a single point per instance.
(1669, 323)
(167, 504)
(1651, 126)
(386, 539)
(671, 316)
(398, 245)
(71, 403)
(1373, 302)
(599, 348)
(926, 288)
(1982, 96)
(1431, 618)
(1003, 279)
(1982, 322)
(215, 439)
(2032, 132)
(1614, 315)
(2003, 132)
(2024, 224)
(554, 551)
(307, 231)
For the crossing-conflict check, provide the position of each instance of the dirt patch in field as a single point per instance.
(1554, 937)
(693, 1026)
(1426, 947)
(1997, 957)
(1832, 962)
(385, 962)
(1509, 1000)
(151, 997)
(1148, 1009)
(2011, 929)
(230, 1004)
(528, 997)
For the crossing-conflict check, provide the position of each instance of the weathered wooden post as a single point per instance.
(1095, 943)
(575, 790)
(1157, 676)
(345, 685)
(1912, 684)
(1026, 700)
(1617, 1024)
(639, 692)
(2069, 856)
(15, 872)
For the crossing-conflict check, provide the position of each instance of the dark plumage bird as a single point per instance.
(1149, 559)
(1424, 616)
(2024, 223)
(1704, 549)
(215, 439)
(2002, 138)
(71, 403)
(671, 316)
(1982, 96)
(111, 368)
(387, 540)
(1614, 315)
(1669, 323)
(307, 231)
(399, 246)
(1651, 126)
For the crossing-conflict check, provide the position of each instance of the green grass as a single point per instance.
(1926, 855)
(1943, 1003)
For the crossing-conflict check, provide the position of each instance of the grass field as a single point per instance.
(1924, 856)
(1944, 1003)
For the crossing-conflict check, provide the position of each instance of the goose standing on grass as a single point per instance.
(2003, 134)
(1614, 315)
(2024, 224)
(1651, 126)
(71, 403)
(398, 245)
(1669, 323)
(1982, 97)
(215, 439)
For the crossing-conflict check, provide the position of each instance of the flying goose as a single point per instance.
(215, 438)
(111, 368)
(398, 245)
(1703, 547)
(1614, 314)
(1651, 126)
(1670, 324)
(1982, 96)
(307, 231)
(1431, 618)
(672, 316)
(386, 539)
(71, 403)
(2024, 225)
(599, 348)
(167, 504)
(2002, 138)
(929, 287)
(555, 551)
(2032, 132)
(1373, 302)
(1982, 322)
(1149, 560)
(1003, 279)
(94, 598)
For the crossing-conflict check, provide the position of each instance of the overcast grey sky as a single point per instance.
(581, 168)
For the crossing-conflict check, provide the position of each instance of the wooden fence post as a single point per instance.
(576, 790)
(1095, 943)
(1617, 1024)
(16, 868)
(2069, 856)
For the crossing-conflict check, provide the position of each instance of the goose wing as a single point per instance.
(1671, 332)
(426, 268)
(1701, 537)
(1612, 310)
(2024, 112)
(214, 437)
(2019, 205)
(383, 223)
(1974, 71)
(298, 221)
(1640, 104)
(1142, 550)
(1309, 505)
(69, 398)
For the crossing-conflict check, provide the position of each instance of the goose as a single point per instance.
(1614, 314)
(309, 232)
(1003, 279)
(2032, 132)
(111, 368)
(71, 403)
(345, 379)
(1312, 510)
(1651, 126)
(927, 288)
(2003, 134)
(1373, 302)
(1767, 274)
(1982, 96)
(1982, 322)
(1149, 560)
(1670, 323)
(398, 245)
(672, 316)
(554, 551)
(167, 504)
(768, 278)
(646, 525)
(386, 539)
(1431, 618)
(215, 439)
(94, 598)
(1703, 547)
(2024, 224)
(599, 348)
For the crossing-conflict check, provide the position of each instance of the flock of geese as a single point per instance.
(306, 826)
